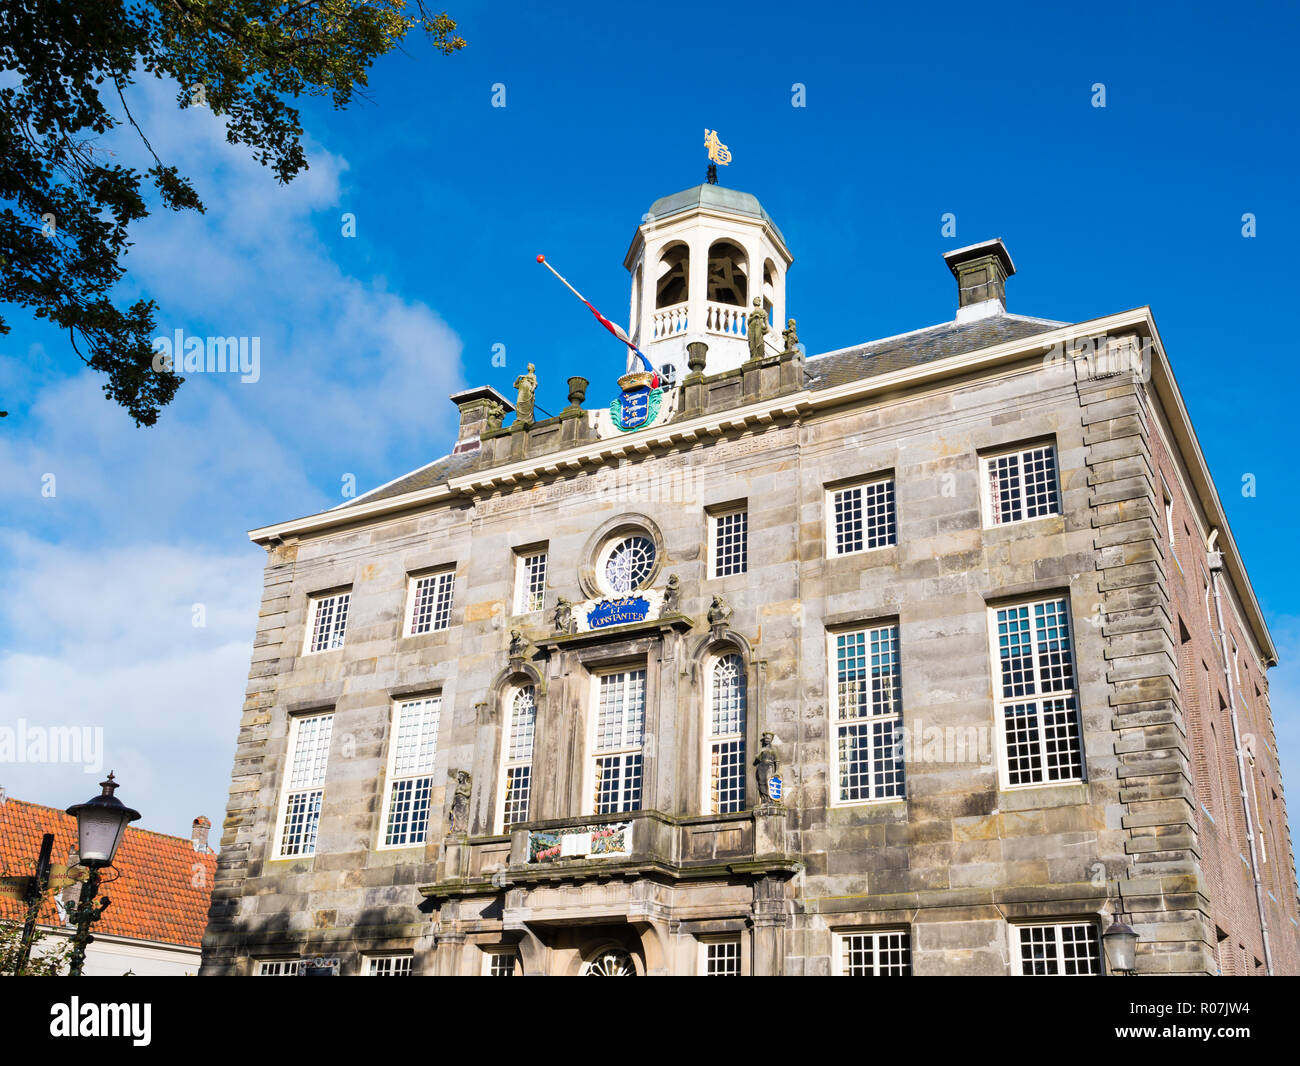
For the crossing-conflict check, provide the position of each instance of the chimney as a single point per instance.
(981, 271)
(199, 833)
(473, 404)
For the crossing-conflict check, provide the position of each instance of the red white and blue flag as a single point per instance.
(614, 328)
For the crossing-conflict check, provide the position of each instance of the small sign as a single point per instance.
(774, 786)
(618, 612)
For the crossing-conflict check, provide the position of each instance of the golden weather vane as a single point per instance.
(719, 153)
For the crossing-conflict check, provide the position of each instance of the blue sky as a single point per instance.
(912, 112)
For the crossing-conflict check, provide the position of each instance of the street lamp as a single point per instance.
(1120, 944)
(101, 824)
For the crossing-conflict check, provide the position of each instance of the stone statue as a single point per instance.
(563, 615)
(527, 386)
(671, 594)
(495, 412)
(517, 644)
(719, 612)
(757, 329)
(791, 338)
(458, 810)
(766, 763)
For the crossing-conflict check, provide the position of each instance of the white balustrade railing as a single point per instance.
(725, 319)
(668, 321)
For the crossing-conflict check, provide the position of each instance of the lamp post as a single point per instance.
(101, 824)
(1120, 945)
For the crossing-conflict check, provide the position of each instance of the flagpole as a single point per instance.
(542, 259)
(617, 331)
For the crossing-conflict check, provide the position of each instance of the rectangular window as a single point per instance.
(1021, 485)
(1169, 528)
(517, 780)
(726, 767)
(411, 755)
(388, 965)
(730, 543)
(1037, 700)
(530, 582)
(1071, 949)
(327, 621)
(862, 517)
(430, 603)
(277, 968)
(500, 962)
(721, 958)
(867, 714)
(309, 752)
(620, 729)
(887, 954)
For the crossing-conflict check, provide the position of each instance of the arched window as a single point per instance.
(517, 771)
(724, 756)
(728, 274)
(674, 275)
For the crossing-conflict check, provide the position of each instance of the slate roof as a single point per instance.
(426, 477)
(821, 372)
(162, 894)
(920, 346)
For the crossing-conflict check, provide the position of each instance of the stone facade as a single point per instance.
(1154, 825)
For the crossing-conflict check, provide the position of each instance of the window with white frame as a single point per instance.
(862, 517)
(517, 775)
(619, 734)
(1067, 949)
(429, 602)
(410, 769)
(729, 542)
(721, 957)
(725, 755)
(1020, 484)
(277, 968)
(867, 714)
(1037, 699)
(388, 965)
(530, 582)
(309, 752)
(327, 621)
(500, 962)
(1169, 527)
(626, 563)
(881, 954)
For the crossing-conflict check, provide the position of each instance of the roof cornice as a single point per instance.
(806, 402)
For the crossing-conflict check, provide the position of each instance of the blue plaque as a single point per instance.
(618, 612)
(774, 786)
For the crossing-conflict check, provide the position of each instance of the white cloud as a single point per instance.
(146, 523)
(106, 640)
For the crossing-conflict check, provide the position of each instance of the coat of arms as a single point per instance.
(638, 405)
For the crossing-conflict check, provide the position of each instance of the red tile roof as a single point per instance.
(162, 894)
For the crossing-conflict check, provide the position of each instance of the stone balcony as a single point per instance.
(638, 844)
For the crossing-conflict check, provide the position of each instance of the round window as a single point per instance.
(627, 564)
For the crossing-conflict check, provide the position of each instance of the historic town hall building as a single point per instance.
(933, 655)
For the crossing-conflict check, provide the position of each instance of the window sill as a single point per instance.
(1020, 523)
(838, 805)
(1041, 795)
